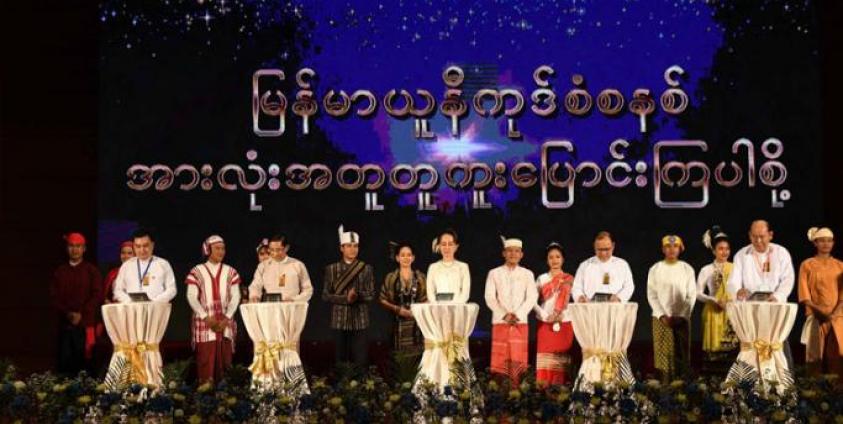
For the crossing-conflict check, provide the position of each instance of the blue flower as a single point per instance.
(627, 406)
(409, 402)
(19, 403)
(549, 410)
(306, 402)
(160, 404)
(135, 388)
(449, 391)
(241, 411)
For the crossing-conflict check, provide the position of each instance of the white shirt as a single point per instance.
(510, 290)
(705, 284)
(448, 277)
(590, 276)
(296, 281)
(747, 272)
(162, 282)
(671, 289)
(545, 309)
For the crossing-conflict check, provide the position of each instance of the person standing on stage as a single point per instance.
(127, 251)
(263, 250)
(145, 273)
(448, 278)
(719, 340)
(511, 295)
(763, 271)
(349, 287)
(401, 288)
(281, 275)
(820, 282)
(671, 292)
(213, 294)
(555, 334)
(762, 267)
(75, 292)
(603, 274)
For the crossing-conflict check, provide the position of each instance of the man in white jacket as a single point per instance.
(510, 294)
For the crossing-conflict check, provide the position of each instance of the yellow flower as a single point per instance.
(41, 395)
(83, 400)
(387, 406)
(335, 401)
(178, 397)
(677, 384)
(465, 395)
(394, 398)
(194, 419)
(681, 398)
(283, 419)
(370, 385)
(220, 410)
(719, 398)
(406, 385)
(353, 384)
(178, 413)
(595, 400)
(663, 419)
(838, 419)
(514, 394)
(493, 386)
(809, 394)
(101, 388)
(523, 421)
(58, 388)
(492, 420)
(779, 416)
(204, 388)
(231, 401)
(564, 396)
(19, 385)
(653, 384)
(824, 406)
(691, 417)
(285, 400)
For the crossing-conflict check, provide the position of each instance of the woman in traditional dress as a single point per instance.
(401, 288)
(554, 335)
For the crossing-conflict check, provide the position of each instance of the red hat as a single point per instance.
(75, 238)
(127, 243)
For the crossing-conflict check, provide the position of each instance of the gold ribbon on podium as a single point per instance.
(266, 356)
(134, 353)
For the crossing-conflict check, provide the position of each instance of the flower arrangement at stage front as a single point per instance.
(366, 396)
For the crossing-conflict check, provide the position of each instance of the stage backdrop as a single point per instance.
(543, 120)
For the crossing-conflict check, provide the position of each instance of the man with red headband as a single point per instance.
(213, 293)
(76, 293)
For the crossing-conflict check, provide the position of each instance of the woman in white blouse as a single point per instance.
(448, 279)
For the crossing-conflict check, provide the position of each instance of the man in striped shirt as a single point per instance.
(349, 287)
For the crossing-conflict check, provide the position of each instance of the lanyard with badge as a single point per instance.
(144, 278)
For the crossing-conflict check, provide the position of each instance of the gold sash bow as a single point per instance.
(608, 362)
(762, 348)
(134, 353)
(266, 356)
(452, 346)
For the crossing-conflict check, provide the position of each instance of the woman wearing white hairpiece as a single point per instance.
(820, 281)
(719, 340)
(448, 279)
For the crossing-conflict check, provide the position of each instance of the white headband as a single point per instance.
(347, 237)
(206, 245)
(512, 242)
(815, 233)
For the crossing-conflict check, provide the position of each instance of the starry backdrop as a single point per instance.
(175, 88)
